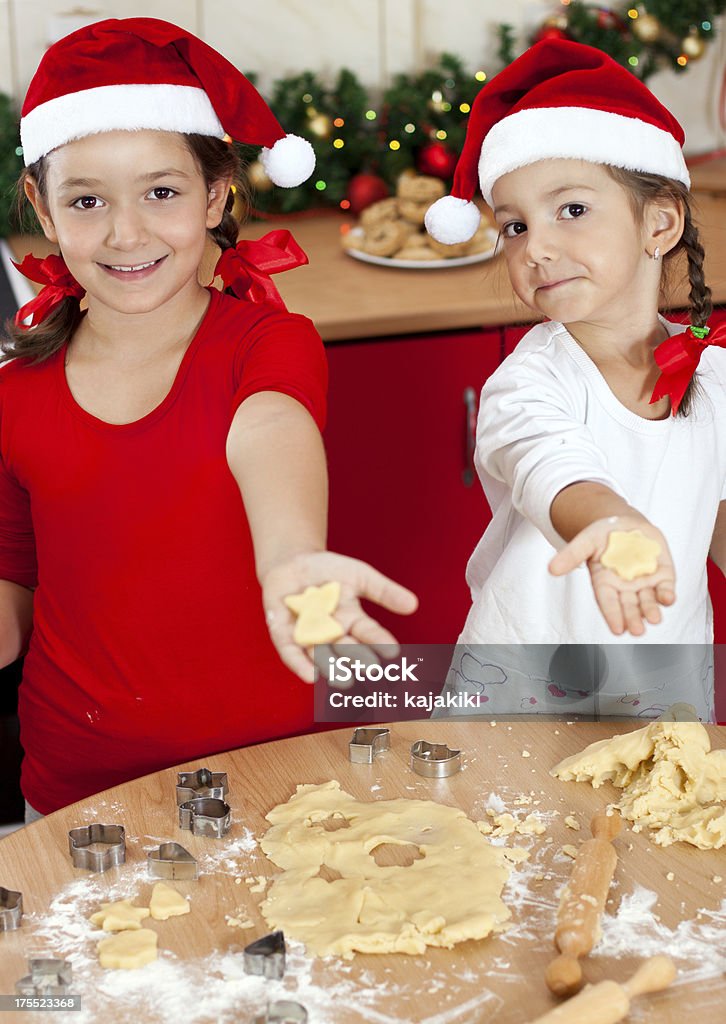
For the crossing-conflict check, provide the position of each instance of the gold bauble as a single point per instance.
(257, 177)
(556, 21)
(321, 126)
(693, 45)
(647, 28)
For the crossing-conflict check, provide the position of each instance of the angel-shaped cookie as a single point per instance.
(314, 609)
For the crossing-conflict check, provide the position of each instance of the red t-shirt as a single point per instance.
(149, 643)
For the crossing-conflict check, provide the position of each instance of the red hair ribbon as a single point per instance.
(59, 283)
(246, 268)
(678, 358)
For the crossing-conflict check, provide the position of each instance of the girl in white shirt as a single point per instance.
(597, 423)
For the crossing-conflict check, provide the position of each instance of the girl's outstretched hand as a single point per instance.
(357, 579)
(626, 605)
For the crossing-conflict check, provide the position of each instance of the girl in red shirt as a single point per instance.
(162, 475)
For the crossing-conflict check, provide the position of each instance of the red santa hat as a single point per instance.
(558, 100)
(137, 73)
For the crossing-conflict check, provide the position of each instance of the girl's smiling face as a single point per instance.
(130, 212)
(574, 249)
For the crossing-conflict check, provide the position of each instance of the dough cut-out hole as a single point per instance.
(402, 855)
(334, 822)
(328, 874)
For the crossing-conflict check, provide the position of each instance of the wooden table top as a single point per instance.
(348, 299)
(199, 975)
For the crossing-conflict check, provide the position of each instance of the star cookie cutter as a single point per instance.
(11, 909)
(266, 956)
(285, 1011)
(113, 837)
(194, 785)
(367, 744)
(434, 760)
(46, 978)
(171, 861)
(206, 817)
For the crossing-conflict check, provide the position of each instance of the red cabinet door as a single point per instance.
(403, 494)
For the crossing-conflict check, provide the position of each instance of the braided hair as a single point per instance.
(646, 188)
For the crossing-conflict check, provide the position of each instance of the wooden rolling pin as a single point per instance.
(608, 1002)
(578, 919)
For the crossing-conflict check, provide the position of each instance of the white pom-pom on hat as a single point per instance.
(289, 162)
(450, 220)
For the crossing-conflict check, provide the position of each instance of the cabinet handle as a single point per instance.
(468, 474)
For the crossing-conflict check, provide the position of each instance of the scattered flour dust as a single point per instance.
(215, 988)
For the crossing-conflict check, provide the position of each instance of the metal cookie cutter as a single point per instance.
(367, 744)
(171, 861)
(206, 817)
(11, 909)
(46, 978)
(434, 760)
(112, 836)
(285, 1011)
(194, 785)
(266, 956)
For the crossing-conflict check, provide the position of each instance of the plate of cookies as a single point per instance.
(391, 232)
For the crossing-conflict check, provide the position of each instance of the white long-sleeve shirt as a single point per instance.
(548, 419)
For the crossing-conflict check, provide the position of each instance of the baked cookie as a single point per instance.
(484, 240)
(384, 238)
(413, 211)
(385, 209)
(449, 251)
(419, 188)
(353, 239)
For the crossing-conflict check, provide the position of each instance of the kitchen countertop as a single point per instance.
(669, 897)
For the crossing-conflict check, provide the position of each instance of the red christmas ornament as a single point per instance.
(436, 160)
(364, 190)
(607, 18)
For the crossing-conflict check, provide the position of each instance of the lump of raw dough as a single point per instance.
(672, 781)
(314, 609)
(631, 554)
(128, 950)
(449, 894)
(166, 902)
(120, 916)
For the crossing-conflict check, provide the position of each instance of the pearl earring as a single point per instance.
(656, 253)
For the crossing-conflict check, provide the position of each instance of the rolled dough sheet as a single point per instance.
(452, 893)
(672, 782)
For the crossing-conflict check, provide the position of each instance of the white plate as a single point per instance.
(453, 261)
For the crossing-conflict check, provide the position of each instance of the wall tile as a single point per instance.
(400, 38)
(281, 37)
(6, 66)
(35, 20)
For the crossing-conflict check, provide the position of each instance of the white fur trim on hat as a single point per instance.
(578, 133)
(171, 108)
(450, 220)
(289, 162)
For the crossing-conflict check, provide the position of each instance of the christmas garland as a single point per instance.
(420, 123)
(362, 146)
